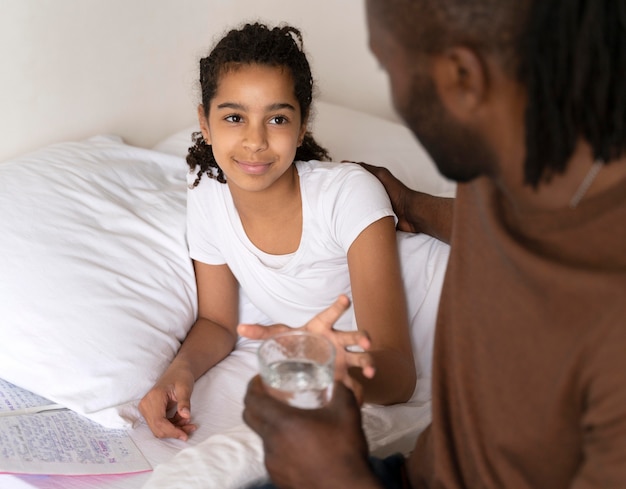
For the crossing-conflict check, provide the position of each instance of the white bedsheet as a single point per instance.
(223, 453)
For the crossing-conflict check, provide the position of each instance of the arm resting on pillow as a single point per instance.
(417, 212)
(211, 338)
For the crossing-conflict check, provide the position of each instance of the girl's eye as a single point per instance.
(279, 119)
(233, 118)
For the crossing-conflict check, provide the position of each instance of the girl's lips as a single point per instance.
(253, 168)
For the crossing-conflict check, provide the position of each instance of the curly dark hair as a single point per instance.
(569, 54)
(255, 44)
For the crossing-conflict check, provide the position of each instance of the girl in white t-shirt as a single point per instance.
(294, 233)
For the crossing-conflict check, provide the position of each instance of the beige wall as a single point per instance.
(74, 68)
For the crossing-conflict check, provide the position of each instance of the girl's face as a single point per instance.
(254, 125)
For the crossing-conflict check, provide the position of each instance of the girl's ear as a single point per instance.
(303, 129)
(204, 124)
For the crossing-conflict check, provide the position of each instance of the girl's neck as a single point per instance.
(272, 218)
(283, 193)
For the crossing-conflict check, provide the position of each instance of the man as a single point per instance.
(524, 104)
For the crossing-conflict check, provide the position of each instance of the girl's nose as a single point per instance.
(256, 137)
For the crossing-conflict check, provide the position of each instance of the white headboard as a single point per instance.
(75, 68)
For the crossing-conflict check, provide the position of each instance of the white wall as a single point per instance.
(74, 68)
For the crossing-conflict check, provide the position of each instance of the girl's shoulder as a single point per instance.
(338, 181)
(328, 170)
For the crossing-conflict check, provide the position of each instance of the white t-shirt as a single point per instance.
(339, 200)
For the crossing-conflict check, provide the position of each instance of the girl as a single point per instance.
(292, 232)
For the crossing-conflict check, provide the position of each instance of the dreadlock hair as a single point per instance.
(574, 65)
(255, 44)
(569, 54)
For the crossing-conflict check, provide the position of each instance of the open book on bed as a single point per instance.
(38, 436)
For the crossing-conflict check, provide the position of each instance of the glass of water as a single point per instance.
(298, 368)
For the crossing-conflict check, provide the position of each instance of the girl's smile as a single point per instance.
(253, 168)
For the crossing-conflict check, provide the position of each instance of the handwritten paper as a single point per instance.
(13, 398)
(59, 441)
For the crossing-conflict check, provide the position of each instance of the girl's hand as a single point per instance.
(171, 392)
(347, 343)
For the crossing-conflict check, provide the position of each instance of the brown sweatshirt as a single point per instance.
(529, 374)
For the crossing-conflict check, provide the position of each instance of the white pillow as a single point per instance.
(96, 286)
(353, 135)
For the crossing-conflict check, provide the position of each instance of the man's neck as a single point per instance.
(582, 180)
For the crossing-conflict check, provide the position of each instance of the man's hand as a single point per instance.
(310, 448)
(398, 193)
(417, 212)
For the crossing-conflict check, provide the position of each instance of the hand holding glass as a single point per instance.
(298, 368)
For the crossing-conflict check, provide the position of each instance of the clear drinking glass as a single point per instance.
(298, 368)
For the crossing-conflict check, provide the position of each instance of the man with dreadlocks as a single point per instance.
(524, 104)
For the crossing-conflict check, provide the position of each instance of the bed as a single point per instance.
(96, 287)
(98, 292)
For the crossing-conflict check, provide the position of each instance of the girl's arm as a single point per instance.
(381, 311)
(211, 338)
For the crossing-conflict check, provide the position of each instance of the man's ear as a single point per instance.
(204, 124)
(461, 81)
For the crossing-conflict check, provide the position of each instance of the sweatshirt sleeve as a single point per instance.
(604, 420)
